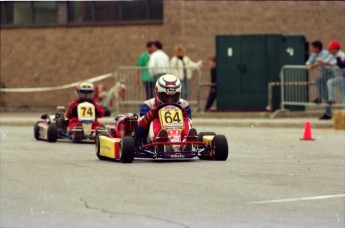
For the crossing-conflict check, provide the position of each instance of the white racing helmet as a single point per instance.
(85, 91)
(168, 89)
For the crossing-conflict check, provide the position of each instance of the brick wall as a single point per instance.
(35, 57)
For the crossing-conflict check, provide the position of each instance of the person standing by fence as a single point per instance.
(145, 76)
(318, 59)
(213, 89)
(159, 61)
(338, 61)
(181, 66)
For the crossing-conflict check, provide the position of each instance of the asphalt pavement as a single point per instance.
(270, 179)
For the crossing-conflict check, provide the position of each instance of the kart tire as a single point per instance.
(202, 134)
(52, 133)
(37, 130)
(97, 144)
(220, 144)
(127, 149)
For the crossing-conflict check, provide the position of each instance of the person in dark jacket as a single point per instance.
(212, 95)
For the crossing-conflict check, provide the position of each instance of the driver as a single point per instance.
(85, 92)
(168, 90)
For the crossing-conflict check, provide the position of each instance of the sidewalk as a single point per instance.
(248, 119)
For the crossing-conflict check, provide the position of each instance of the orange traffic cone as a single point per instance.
(307, 132)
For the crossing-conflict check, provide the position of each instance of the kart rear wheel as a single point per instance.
(127, 149)
(220, 145)
(37, 130)
(97, 144)
(202, 134)
(52, 133)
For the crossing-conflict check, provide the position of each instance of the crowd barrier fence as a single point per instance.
(298, 88)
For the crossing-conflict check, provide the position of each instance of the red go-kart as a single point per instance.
(120, 143)
(55, 126)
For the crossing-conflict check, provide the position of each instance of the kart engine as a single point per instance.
(126, 125)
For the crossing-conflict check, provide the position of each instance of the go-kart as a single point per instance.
(55, 126)
(120, 143)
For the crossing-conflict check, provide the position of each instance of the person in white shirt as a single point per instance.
(159, 61)
(319, 59)
(182, 66)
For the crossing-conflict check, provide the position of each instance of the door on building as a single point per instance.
(241, 68)
(247, 63)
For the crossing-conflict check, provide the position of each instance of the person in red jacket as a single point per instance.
(85, 93)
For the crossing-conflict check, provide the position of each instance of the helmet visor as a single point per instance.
(165, 98)
(85, 96)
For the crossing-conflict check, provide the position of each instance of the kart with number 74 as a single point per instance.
(55, 126)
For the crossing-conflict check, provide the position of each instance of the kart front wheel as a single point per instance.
(37, 131)
(127, 149)
(97, 144)
(220, 147)
(52, 133)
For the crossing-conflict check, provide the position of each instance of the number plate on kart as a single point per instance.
(171, 117)
(86, 111)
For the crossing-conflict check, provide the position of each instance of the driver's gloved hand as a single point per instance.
(149, 116)
(73, 112)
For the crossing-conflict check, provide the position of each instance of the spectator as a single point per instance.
(318, 59)
(213, 89)
(338, 60)
(100, 93)
(159, 61)
(100, 97)
(181, 67)
(145, 76)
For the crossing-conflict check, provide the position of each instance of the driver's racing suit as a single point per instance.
(72, 114)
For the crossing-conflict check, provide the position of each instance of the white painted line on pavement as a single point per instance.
(297, 199)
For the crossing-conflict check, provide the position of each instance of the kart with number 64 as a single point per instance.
(120, 142)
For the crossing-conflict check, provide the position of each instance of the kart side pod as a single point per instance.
(208, 139)
(122, 149)
(108, 147)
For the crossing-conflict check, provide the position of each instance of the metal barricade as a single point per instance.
(129, 78)
(298, 88)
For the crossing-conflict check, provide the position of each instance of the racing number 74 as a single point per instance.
(89, 111)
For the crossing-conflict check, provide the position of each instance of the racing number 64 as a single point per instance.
(169, 119)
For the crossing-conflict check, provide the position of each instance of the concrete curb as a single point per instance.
(276, 123)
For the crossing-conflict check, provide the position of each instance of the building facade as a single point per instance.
(59, 53)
